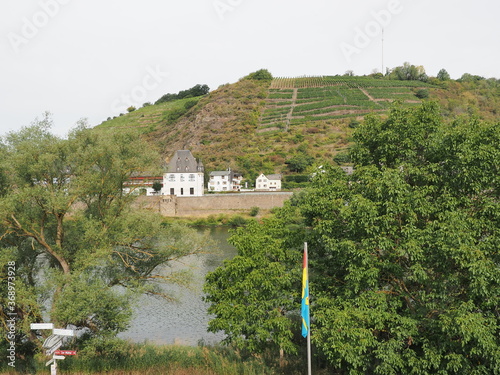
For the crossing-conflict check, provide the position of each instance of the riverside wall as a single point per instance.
(213, 204)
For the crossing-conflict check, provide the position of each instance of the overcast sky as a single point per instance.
(92, 59)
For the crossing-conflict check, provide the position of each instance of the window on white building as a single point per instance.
(171, 177)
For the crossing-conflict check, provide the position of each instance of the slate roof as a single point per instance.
(273, 177)
(184, 162)
(220, 173)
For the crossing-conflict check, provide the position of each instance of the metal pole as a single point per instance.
(309, 367)
(383, 74)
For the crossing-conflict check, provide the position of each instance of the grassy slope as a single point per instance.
(144, 120)
(256, 126)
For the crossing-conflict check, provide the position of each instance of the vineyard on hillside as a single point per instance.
(294, 101)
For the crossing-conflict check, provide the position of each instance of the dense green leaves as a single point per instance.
(82, 247)
(254, 296)
(404, 253)
(412, 240)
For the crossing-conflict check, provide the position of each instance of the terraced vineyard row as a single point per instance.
(295, 101)
(353, 82)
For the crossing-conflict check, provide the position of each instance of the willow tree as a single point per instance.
(82, 246)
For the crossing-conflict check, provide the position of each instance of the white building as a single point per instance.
(224, 181)
(185, 176)
(143, 184)
(270, 182)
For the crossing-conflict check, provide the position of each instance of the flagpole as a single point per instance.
(309, 367)
(309, 371)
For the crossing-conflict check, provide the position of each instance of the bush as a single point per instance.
(422, 94)
(131, 109)
(254, 211)
(174, 115)
(297, 178)
(190, 104)
(342, 158)
(237, 221)
(260, 75)
(353, 124)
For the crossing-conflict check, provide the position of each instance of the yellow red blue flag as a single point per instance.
(305, 296)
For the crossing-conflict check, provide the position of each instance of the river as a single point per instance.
(184, 322)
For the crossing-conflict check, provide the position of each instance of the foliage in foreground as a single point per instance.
(404, 255)
(81, 251)
(115, 356)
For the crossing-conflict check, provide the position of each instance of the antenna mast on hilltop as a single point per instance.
(383, 52)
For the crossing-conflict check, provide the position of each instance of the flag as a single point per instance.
(305, 296)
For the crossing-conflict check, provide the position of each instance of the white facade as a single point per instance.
(185, 176)
(271, 182)
(224, 181)
(140, 184)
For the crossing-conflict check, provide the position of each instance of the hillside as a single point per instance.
(285, 124)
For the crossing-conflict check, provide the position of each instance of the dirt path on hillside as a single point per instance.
(367, 94)
(292, 106)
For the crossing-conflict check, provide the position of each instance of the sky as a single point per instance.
(91, 59)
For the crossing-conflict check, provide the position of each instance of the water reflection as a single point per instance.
(184, 322)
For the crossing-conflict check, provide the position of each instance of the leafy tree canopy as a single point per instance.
(260, 75)
(196, 90)
(81, 246)
(408, 72)
(443, 75)
(404, 252)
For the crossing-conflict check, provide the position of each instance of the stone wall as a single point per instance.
(212, 204)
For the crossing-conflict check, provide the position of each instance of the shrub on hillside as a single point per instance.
(197, 90)
(260, 75)
(422, 94)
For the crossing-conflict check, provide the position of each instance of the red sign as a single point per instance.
(65, 352)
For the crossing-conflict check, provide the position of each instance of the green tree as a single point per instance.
(404, 253)
(443, 75)
(407, 250)
(408, 72)
(253, 297)
(73, 233)
(260, 75)
(299, 162)
(157, 185)
(422, 94)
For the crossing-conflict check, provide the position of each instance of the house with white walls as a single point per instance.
(271, 182)
(143, 184)
(185, 176)
(224, 181)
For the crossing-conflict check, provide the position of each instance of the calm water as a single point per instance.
(184, 322)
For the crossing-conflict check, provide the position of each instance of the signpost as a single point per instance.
(65, 352)
(53, 343)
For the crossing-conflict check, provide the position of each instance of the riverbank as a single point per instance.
(119, 357)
